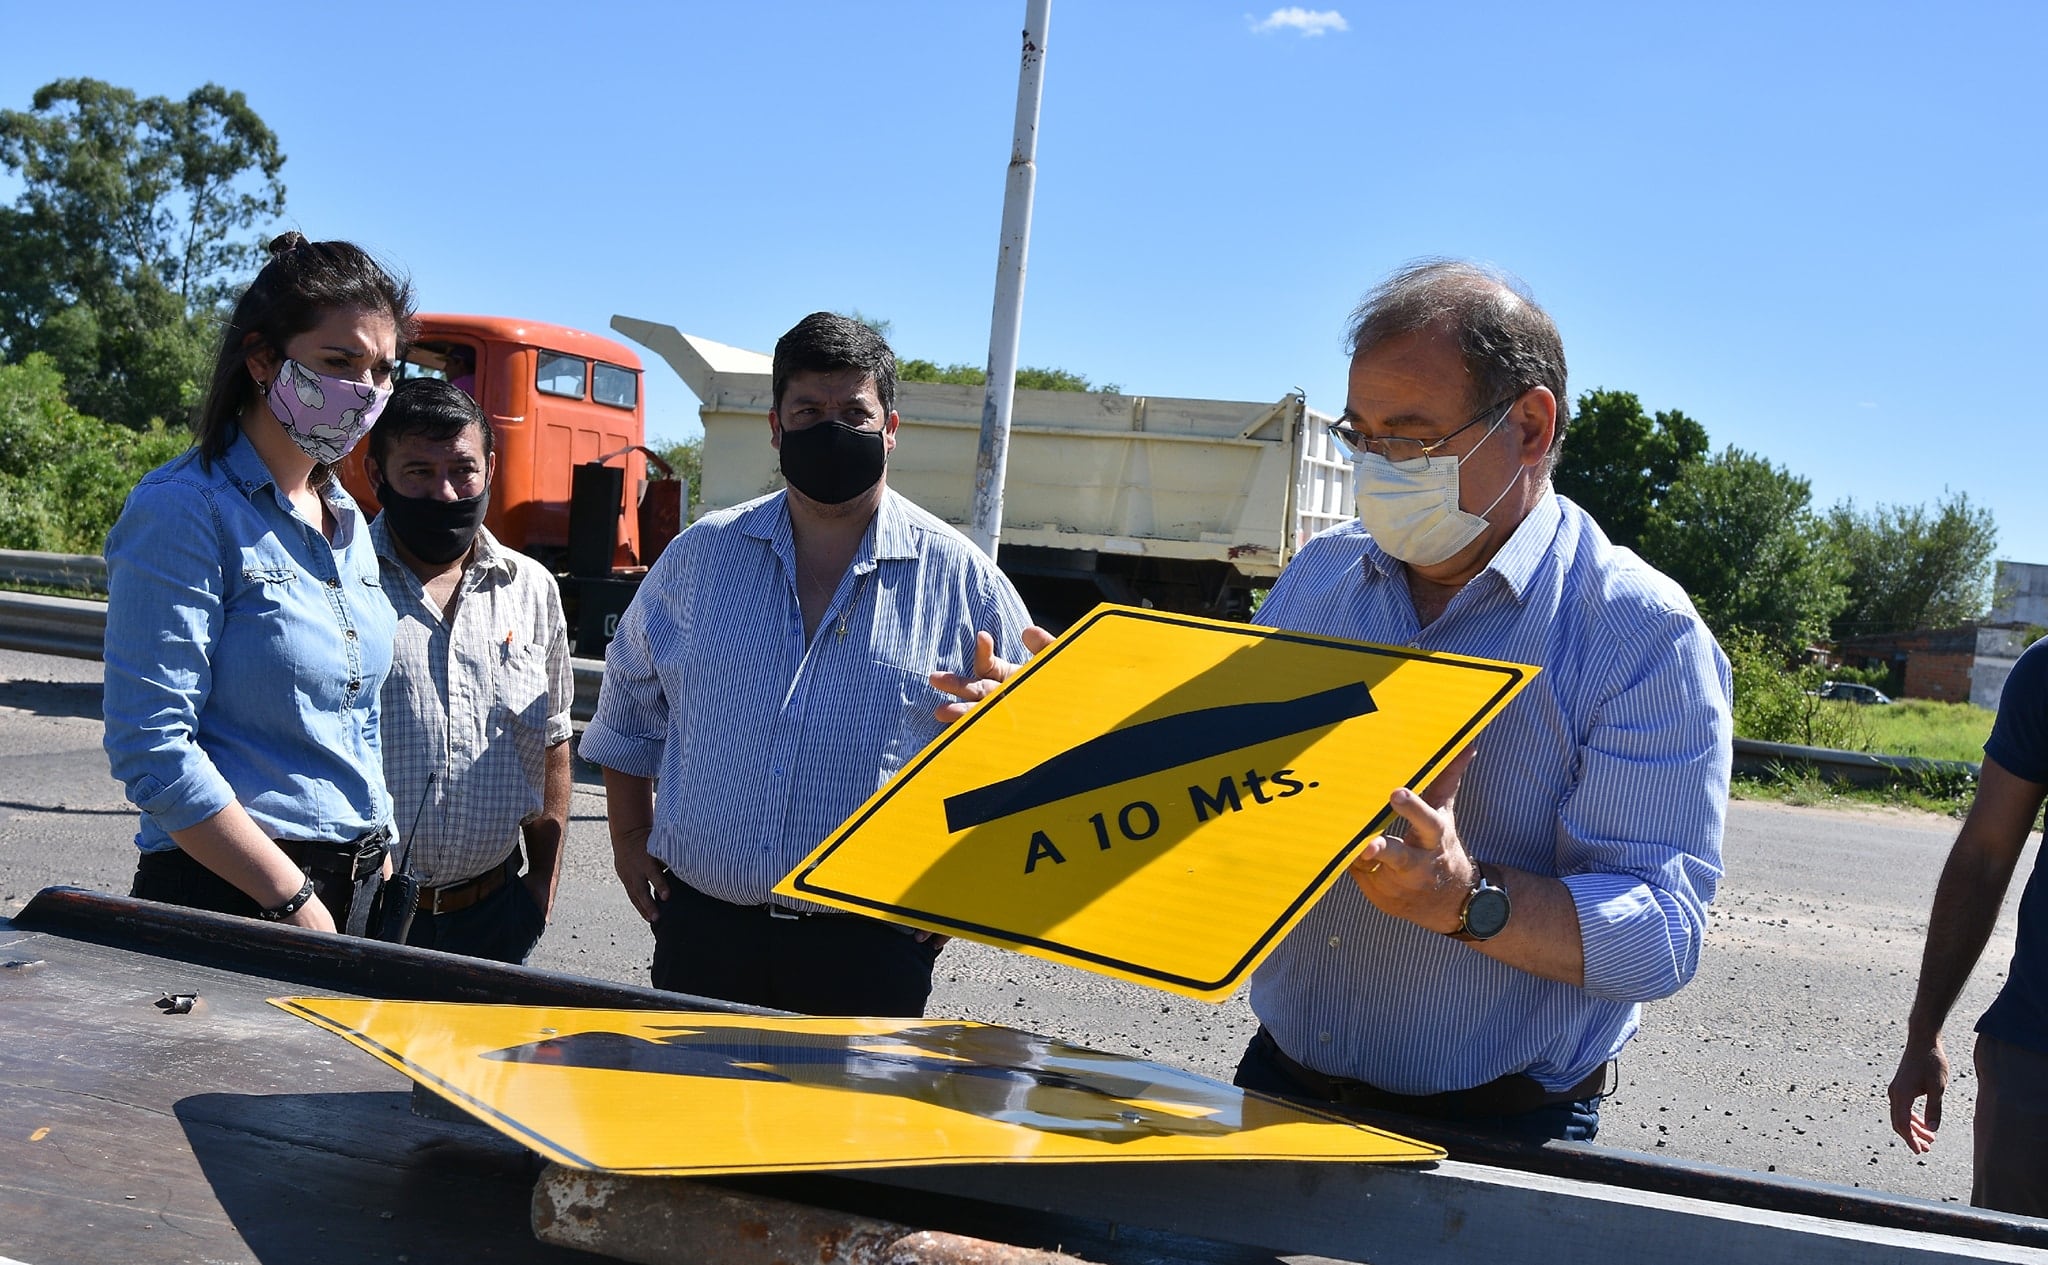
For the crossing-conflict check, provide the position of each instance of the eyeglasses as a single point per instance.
(1400, 448)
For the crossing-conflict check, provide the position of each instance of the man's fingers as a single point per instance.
(989, 672)
(1933, 1112)
(644, 886)
(1903, 1119)
(966, 688)
(1444, 786)
(984, 656)
(1425, 828)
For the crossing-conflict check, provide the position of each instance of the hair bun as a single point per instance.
(286, 242)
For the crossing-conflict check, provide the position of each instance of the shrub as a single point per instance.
(63, 475)
(1780, 702)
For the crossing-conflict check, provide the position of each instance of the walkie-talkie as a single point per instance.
(402, 893)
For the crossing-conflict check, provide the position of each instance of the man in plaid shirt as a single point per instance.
(476, 707)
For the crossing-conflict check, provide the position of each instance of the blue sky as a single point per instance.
(1816, 228)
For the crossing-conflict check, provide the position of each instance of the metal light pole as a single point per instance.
(985, 524)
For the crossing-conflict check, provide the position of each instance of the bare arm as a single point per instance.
(630, 813)
(232, 845)
(1966, 904)
(544, 834)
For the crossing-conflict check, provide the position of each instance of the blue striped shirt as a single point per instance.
(764, 744)
(1609, 770)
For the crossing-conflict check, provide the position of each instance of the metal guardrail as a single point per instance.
(85, 572)
(1857, 768)
(76, 628)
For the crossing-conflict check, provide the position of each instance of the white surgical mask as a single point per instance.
(1411, 508)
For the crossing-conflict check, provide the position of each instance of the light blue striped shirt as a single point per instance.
(1609, 770)
(762, 744)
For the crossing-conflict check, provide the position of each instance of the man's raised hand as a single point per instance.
(989, 672)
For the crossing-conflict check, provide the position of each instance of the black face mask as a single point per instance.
(434, 531)
(832, 462)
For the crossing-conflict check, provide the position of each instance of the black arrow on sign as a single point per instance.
(1154, 747)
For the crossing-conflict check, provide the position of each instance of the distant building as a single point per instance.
(2020, 594)
(1970, 661)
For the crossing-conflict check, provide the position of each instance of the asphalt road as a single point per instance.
(1774, 1058)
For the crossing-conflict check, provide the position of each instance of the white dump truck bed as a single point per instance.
(1235, 484)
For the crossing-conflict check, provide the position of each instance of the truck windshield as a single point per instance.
(613, 385)
(561, 374)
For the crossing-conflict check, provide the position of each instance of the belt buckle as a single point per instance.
(780, 914)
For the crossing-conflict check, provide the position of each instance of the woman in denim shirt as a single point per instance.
(247, 632)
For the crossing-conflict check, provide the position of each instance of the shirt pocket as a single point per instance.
(902, 704)
(522, 697)
(264, 619)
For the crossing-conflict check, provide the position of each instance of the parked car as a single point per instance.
(1850, 692)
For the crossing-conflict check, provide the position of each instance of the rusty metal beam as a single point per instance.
(675, 1221)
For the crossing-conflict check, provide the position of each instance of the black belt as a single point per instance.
(1510, 1095)
(783, 913)
(356, 858)
(348, 875)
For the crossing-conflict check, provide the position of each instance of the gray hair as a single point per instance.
(1508, 341)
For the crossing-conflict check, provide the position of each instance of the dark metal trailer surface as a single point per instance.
(235, 1132)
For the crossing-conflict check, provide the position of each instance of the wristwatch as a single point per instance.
(1485, 914)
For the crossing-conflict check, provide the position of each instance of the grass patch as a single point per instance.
(50, 590)
(1797, 784)
(1918, 727)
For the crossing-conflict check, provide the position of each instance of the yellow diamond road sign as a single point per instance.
(1156, 797)
(681, 1093)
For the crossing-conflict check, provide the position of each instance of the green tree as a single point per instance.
(1028, 379)
(687, 460)
(1618, 463)
(137, 216)
(1739, 534)
(1909, 568)
(64, 475)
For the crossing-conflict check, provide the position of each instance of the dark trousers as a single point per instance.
(175, 878)
(2010, 1172)
(822, 964)
(503, 926)
(1268, 1070)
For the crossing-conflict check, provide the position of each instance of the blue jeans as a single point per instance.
(502, 927)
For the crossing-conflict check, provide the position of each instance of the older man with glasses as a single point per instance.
(1488, 957)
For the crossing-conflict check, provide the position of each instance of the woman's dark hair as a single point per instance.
(301, 284)
(430, 408)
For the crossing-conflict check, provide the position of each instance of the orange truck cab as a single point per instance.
(569, 425)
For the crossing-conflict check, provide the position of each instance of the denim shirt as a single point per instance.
(244, 654)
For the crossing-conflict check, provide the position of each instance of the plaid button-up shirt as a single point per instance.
(471, 706)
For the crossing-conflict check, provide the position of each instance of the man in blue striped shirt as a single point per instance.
(1486, 961)
(772, 672)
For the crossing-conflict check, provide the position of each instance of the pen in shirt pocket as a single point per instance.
(506, 653)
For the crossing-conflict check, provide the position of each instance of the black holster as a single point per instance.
(347, 876)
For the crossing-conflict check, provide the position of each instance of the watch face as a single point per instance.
(1486, 913)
